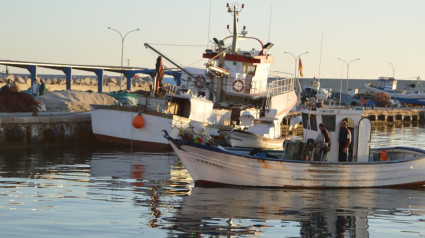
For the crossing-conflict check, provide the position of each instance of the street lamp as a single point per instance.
(393, 69)
(295, 72)
(122, 44)
(348, 66)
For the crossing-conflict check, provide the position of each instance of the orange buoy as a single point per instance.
(138, 121)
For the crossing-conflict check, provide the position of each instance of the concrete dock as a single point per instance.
(394, 115)
(387, 115)
(47, 128)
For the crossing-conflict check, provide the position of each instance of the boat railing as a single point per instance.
(281, 86)
(170, 89)
(278, 86)
(244, 86)
(257, 88)
(280, 74)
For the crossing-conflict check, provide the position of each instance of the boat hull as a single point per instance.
(145, 146)
(210, 166)
(115, 127)
(408, 98)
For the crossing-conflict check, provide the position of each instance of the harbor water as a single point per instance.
(104, 191)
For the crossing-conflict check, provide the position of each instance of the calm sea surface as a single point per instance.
(111, 192)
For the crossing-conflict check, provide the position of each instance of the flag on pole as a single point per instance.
(300, 68)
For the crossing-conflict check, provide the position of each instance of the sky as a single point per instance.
(383, 34)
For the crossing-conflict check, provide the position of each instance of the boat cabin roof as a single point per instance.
(332, 117)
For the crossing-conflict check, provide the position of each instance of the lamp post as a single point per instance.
(296, 58)
(122, 44)
(348, 66)
(393, 69)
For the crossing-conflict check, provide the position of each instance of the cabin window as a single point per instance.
(329, 122)
(180, 107)
(309, 121)
(249, 69)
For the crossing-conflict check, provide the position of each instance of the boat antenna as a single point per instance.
(234, 10)
(270, 22)
(320, 60)
(209, 25)
(340, 87)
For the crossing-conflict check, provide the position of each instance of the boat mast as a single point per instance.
(202, 82)
(235, 13)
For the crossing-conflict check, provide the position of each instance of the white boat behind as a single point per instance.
(265, 132)
(238, 79)
(242, 138)
(114, 124)
(379, 167)
(234, 80)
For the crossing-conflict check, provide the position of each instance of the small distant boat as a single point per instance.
(314, 90)
(298, 166)
(389, 85)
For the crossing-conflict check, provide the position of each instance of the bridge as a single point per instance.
(67, 69)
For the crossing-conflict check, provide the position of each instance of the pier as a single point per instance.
(99, 71)
(45, 129)
(385, 115)
(377, 116)
(394, 115)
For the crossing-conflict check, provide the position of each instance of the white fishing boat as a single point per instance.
(235, 81)
(240, 78)
(298, 165)
(264, 131)
(115, 124)
(389, 85)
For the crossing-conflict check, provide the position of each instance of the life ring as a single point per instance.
(238, 85)
(199, 77)
(138, 121)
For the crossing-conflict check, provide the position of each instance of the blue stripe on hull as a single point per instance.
(417, 101)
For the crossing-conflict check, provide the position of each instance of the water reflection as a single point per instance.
(306, 213)
(150, 177)
(111, 191)
(404, 134)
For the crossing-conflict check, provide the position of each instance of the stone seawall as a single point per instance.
(46, 129)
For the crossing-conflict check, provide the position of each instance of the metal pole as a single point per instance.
(122, 46)
(347, 70)
(295, 73)
(348, 67)
(393, 69)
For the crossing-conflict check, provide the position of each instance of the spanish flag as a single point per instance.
(300, 67)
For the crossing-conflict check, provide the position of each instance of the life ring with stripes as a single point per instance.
(238, 85)
(195, 82)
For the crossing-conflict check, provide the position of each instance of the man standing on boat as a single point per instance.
(325, 137)
(344, 141)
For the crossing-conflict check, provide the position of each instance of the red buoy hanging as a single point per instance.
(138, 121)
